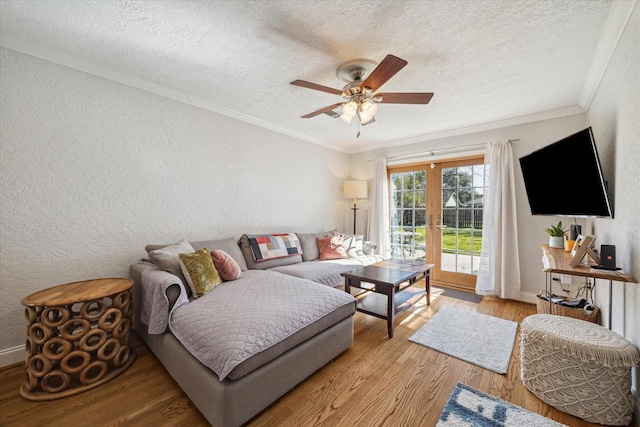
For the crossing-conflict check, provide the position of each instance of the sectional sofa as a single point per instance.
(248, 341)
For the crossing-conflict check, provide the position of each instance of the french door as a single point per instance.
(436, 216)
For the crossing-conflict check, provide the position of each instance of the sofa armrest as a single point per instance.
(368, 247)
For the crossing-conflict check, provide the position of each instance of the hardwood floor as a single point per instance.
(378, 381)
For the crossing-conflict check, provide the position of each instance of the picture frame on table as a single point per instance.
(583, 247)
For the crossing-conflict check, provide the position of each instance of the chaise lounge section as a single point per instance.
(272, 326)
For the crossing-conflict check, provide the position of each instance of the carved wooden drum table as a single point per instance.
(78, 337)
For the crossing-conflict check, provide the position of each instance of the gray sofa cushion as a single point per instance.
(228, 245)
(327, 272)
(251, 263)
(310, 251)
(167, 258)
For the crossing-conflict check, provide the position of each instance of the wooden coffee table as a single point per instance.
(387, 280)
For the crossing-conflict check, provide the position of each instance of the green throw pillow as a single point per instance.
(200, 272)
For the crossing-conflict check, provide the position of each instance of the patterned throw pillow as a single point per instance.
(331, 247)
(226, 265)
(200, 272)
(270, 246)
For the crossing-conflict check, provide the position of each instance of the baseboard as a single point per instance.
(528, 297)
(11, 356)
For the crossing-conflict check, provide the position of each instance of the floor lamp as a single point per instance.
(355, 190)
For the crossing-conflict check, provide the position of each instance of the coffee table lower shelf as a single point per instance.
(375, 304)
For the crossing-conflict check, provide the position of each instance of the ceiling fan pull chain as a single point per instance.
(358, 134)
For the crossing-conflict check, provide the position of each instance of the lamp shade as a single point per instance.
(355, 189)
(348, 111)
(367, 111)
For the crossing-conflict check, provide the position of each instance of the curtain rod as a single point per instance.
(441, 150)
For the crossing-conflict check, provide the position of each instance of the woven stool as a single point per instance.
(578, 367)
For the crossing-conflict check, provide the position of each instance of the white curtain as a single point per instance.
(378, 221)
(499, 272)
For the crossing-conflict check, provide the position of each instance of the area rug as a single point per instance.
(470, 407)
(454, 293)
(476, 338)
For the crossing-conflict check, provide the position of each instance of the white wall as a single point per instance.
(531, 137)
(614, 115)
(92, 170)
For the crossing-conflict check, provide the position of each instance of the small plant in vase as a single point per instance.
(556, 235)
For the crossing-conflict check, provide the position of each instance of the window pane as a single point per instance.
(407, 199)
(464, 198)
(449, 178)
(465, 175)
(421, 179)
(420, 199)
(397, 199)
(449, 199)
(395, 217)
(407, 217)
(408, 181)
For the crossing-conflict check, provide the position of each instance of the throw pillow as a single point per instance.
(167, 258)
(309, 244)
(247, 251)
(199, 271)
(229, 245)
(331, 247)
(353, 245)
(226, 265)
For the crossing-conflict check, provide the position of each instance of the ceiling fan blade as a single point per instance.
(389, 66)
(322, 110)
(314, 86)
(373, 120)
(405, 98)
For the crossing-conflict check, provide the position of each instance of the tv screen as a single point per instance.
(565, 178)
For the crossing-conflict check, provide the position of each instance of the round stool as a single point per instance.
(578, 367)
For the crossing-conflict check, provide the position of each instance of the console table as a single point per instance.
(79, 336)
(556, 260)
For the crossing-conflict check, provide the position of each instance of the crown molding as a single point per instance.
(65, 59)
(483, 127)
(614, 27)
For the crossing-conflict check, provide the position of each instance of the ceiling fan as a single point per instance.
(359, 98)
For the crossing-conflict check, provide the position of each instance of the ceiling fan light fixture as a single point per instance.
(348, 111)
(367, 110)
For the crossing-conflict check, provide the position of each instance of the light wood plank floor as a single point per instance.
(378, 381)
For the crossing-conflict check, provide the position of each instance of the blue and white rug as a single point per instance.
(483, 340)
(470, 407)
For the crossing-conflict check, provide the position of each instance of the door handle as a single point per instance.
(428, 222)
(437, 222)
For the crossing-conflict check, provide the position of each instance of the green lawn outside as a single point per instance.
(464, 240)
(449, 239)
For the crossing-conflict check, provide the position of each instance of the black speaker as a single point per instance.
(608, 256)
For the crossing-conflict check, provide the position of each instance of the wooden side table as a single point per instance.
(78, 337)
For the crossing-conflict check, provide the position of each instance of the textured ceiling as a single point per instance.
(486, 61)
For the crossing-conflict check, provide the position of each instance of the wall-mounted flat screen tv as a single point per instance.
(565, 178)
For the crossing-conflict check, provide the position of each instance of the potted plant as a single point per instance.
(556, 235)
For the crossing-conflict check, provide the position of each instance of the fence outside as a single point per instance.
(466, 218)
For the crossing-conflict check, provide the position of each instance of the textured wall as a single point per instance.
(614, 116)
(92, 170)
